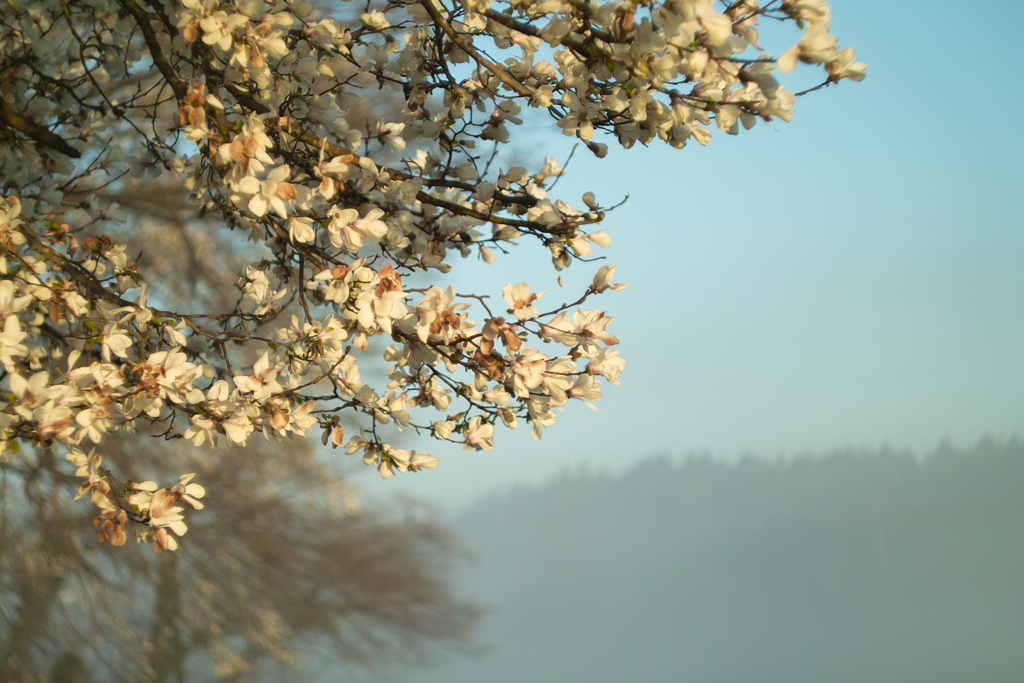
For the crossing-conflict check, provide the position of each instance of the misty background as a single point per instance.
(850, 566)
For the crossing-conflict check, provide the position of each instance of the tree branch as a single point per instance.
(142, 18)
(40, 134)
(466, 46)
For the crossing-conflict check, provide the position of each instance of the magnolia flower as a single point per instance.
(718, 27)
(257, 288)
(443, 429)
(54, 421)
(815, 47)
(370, 225)
(174, 334)
(272, 192)
(29, 392)
(201, 431)
(343, 235)
(561, 329)
(10, 209)
(189, 492)
(374, 20)
(301, 229)
(497, 327)
(261, 382)
(335, 287)
(372, 312)
(580, 246)
(218, 28)
(163, 511)
(237, 427)
(390, 135)
(144, 491)
(335, 435)
(551, 169)
(10, 302)
(164, 541)
(348, 230)
(606, 362)
(528, 371)
(593, 325)
(520, 300)
(115, 340)
(508, 417)
(300, 419)
(248, 152)
(262, 39)
(579, 117)
(603, 280)
(601, 238)
(585, 388)
(113, 526)
(10, 342)
(584, 329)
(843, 66)
(331, 173)
(437, 315)
(479, 435)
(422, 461)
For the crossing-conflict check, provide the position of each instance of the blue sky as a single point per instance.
(851, 278)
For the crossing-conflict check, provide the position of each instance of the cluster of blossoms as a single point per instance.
(264, 112)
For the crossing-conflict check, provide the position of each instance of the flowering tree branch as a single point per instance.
(267, 114)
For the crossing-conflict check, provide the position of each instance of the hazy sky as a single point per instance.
(851, 278)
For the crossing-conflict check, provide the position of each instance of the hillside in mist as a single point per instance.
(854, 567)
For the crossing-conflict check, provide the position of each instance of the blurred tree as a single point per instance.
(286, 561)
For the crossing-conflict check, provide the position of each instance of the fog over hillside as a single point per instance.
(856, 566)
